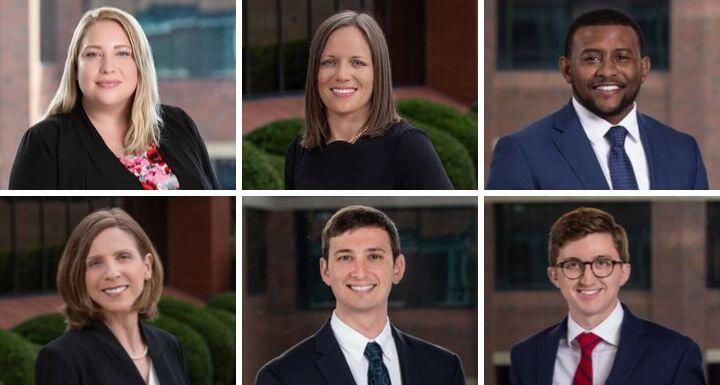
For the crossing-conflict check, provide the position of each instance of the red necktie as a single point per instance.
(584, 372)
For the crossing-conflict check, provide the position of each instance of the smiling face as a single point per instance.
(345, 75)
(590, 299)
(605, 69)
(360, 271)
(107, 73)
(115, 271)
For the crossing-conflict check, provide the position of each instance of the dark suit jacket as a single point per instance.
(94, 356)
(66, 152)
(647, 354)
(319, 360)
(555, 153)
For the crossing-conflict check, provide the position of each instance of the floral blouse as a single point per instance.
(152, 171)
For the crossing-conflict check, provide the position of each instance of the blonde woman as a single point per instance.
(354, 138)
(109, 278)
(105, 128)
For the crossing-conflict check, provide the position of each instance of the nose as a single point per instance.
(343, 72)
(359, 269)
(107, 64)
(111, 271)
(607, 68)
(587, 277)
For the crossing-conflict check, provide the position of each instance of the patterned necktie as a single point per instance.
(584, 372)
(621, 170)
(377, 372)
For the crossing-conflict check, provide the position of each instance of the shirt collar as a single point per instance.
(596, 127)
(608, 329)
(354, 343)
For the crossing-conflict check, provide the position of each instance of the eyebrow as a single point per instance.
(118, 252)
(368, 250)
(114, 47)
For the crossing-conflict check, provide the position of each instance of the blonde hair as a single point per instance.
(382, 108)
(80, 309)
(145, 119)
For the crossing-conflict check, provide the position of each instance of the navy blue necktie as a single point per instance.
(377, 372)
(621, 170)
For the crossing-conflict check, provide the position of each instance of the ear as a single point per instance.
(323, 265)
(644, 68)
(398, 269)
(625, 269)
(148, 262)
(564, 64)
(553, 276)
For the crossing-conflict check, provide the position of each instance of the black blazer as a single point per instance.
(94, 356)
(66, 152)
(319, 360)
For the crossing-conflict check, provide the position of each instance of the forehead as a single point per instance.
(105, 32)
(604, 37)
(347, 40)
(589, 247)
(112, 238)
(361, 238)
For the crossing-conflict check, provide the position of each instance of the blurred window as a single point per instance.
(521, 232)
(440, 249)
(225, 172)
(531, 34)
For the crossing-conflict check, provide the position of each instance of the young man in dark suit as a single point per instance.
(360, 261)
(600, 341)
(599, 140)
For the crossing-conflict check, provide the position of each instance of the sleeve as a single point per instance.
(202, 153)
(509, 168)
(52, 368)
(35, 166)
(419, 167)
(267, 377)
(290, 164)
(180, 351)
(458, 375)
(701, 181)
(690, 370)
(514, 372)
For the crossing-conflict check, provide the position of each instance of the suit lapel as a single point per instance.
(575, 147)
(330, 360)
(159, 357)
(649, 142)
(547, 352)
(410, 368)
(630, 349)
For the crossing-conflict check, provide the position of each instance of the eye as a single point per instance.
(592, 59)
(376, 256)
(358, 63)
(94, 262)
(344, 257)
(573, 265)
(327, 62)
(124, 53)
(91, 54)
(602, 262)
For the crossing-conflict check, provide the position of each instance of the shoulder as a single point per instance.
(657, 128)
(427, 349)
(535, 130)
(295, 359)
(531, 343)
(176, 119)
(50, 127)
(666, 337)
(71, 345)
(403, 130)
(161, 336)
(172, 112)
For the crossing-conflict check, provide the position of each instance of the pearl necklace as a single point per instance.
(140, 356)
(358, 135)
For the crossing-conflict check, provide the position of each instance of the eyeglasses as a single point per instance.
(601, 267)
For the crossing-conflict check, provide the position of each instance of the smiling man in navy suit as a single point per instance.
(600, 341)
(599, 140)
(361, 261)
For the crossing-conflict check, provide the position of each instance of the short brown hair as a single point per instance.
(355, 217)
(382, 108)
(581, 222)
(80, 309)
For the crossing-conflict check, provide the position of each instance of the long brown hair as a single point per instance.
(382, 108)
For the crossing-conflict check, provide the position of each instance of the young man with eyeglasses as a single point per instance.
(601, 341)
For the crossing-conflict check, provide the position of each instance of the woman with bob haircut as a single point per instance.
(110, 277)
(353, 137)
(105, 128)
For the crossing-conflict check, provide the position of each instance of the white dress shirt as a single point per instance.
(352, 344)
(153, 378)
(596, 127)
(603, 356)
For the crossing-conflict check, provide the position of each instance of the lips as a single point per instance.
(361, 288)
(107, 83)
(588, 293)
(343, 92)
(115, 290)
(607, 87)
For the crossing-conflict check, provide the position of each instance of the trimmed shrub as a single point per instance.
(277, 162)
(223, 316)
(42, 329)
(224, 301)
(218, 337)
(461, 126)
(17, 359)
(453, 156)
(197, 354)
(258, 170)
(275, 137)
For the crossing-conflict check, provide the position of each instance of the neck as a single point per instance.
(346, 126)
(126, 329)
(590, 322)
(369, 324)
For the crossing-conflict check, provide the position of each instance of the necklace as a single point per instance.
(358, 135)
(140, 356)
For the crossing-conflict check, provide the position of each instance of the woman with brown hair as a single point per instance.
(354, 138)
(110, 277)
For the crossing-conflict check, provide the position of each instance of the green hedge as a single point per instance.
(42, 329)
(17, 359)
(223, 316)
(453, 156)
(218, 337)
(258, 170)
(197, 354)
(224, 301)
(275, 137)
(461, 126)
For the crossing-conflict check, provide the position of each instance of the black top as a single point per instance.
(402, 158)
(319, 360)
(66, 152)
(94, 356)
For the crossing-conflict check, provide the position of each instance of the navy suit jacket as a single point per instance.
(647, 354)
(555, 153)
(318, 360)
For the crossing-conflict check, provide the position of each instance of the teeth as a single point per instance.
(589, 292)
(361, 288)
(343, 91)
(608, 88)
(115, 290)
